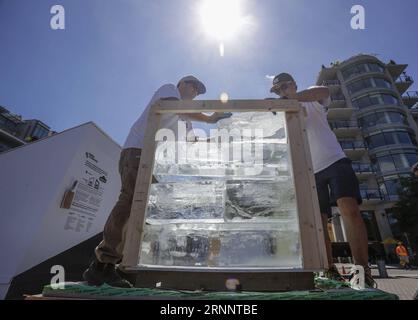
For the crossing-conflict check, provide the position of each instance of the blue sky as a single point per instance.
(114, 54)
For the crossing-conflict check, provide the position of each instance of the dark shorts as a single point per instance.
(337, 181)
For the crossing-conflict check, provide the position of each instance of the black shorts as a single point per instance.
(337, 181)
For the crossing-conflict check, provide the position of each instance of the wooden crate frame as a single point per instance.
(314, 256)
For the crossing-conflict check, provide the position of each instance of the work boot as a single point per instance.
(333, 274)
(99, 273)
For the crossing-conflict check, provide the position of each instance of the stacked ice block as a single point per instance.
(212, 208)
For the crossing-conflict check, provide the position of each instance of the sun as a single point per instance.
(222, 19)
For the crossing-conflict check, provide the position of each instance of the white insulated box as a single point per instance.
(33, 181)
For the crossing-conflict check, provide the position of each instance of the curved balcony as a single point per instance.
(384, 126)
(361, 66)
(343, 128)
(356, 59)
(374, 90)
(390, 140)
(380, 174)
(377, 117)
(367, 75)
(393, 147)
(375, 99)
(379, 107)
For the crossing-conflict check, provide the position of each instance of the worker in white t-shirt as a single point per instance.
(336, 181)
(109, 252)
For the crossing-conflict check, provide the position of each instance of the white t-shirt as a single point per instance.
(136, 135)
(324, 146)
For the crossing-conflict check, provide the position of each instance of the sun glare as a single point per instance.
(222, 19)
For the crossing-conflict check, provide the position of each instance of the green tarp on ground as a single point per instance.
(326, 290)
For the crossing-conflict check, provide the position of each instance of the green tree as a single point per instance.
(406, 209)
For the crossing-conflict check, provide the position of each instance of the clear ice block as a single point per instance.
(260, 199)
(211, 208)
(221, 245)
(186, 201)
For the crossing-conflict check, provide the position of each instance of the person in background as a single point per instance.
(403, 256)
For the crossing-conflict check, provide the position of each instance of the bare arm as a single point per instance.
(311, 95)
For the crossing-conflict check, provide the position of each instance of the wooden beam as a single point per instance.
(137, 217)
(193, 106)
(310, 224)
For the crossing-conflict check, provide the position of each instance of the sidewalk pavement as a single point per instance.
(403, 283)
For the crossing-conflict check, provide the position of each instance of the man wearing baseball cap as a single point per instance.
(109, 252)
(336, 181)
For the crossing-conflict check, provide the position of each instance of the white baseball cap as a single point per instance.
(201, 89)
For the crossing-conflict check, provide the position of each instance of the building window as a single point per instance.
(389, 185)
(390, 138)
(382, 117)
(374, 67)
(403, 137)
(411, 158)
(354, 70)
(375, 100)
(361, 68)
(391, 161)
(39, 132)
(396, 117)
(376, 141)
(356, 86)
(352, 144)
(368, 83)
(8, 125)
(392, 187)
(368, 121)
(386, 164)
(381, 83)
